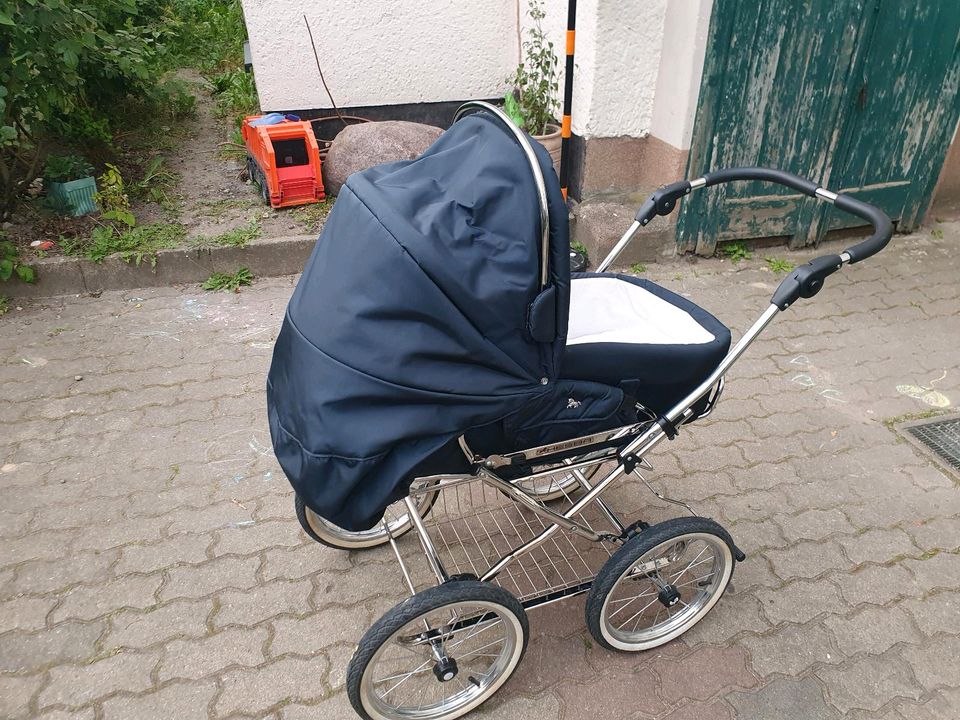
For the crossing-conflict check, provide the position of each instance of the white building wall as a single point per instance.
(411, 51)
(380, 53)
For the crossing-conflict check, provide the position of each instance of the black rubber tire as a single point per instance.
(635, 548)
(413, 607)
(301, 511)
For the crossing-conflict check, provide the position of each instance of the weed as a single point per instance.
(580, 248)
(4, 305)
(133, 244)
(313, 216)
(10, 264)
(736, 251)
(228, 281)
(157, 183)
(937, 233)
(235, 149)
(778, 265)
(112, 197)
(922, 415)
(215, 207)
(236, 94)
(638, 268)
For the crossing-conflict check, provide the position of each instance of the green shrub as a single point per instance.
(75, 71)
(209, 34)
(64, 168)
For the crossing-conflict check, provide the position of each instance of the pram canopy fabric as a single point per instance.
(420, 316)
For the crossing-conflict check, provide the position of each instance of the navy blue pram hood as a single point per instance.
(419, 316)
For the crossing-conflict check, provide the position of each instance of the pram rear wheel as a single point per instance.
(438, 654)
(660, 584)
(326, 533)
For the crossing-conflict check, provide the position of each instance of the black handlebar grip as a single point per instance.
(882, 227)
(763, 174)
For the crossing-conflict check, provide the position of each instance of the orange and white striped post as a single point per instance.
(567, 98)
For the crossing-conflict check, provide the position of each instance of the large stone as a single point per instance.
(361, 146)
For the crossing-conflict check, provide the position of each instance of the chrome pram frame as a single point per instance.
(629, 458)
(498, 544)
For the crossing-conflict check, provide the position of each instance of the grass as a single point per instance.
(215, 207)
(937, 233)
(228, 281)
(158, 184)
(735, 251)
(131, 245)
(238, 237)
(4, 305)
(314, 215)
(778, 265)
(638, 268)
(909, 417)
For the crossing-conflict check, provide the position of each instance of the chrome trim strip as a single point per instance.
(823, 194)
(531, 454)
(698, 183)
(844, 257)
(476, 106)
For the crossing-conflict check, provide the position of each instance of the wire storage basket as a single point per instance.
(473, 525)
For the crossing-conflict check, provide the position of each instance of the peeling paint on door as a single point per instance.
(854, 94)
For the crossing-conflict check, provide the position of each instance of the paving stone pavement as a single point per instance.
(151, 565)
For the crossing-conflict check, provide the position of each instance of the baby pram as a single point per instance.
(438, 356)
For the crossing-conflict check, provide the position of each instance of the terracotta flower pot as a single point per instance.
(551, 141)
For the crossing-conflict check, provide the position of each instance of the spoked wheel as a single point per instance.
(439, 654)
(326, 533)
(552, 487)
(660, 584)
(562, 483)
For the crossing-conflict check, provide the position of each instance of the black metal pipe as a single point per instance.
(567, 98)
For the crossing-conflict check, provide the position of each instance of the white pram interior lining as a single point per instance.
(609, 310)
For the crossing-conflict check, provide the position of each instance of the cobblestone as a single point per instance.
(151, 566)
(869, 683)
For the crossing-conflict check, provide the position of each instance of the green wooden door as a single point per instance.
(854, 94)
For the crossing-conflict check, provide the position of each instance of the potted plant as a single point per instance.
(531, 102)
(70, 184)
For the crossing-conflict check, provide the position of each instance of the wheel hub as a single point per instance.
(445, 669)
(668, 596)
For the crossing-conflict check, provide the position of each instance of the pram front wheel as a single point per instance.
(326, 533)
(438, 654)
(660, 584)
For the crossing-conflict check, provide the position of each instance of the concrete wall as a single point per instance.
(380, 53)
(946, 195)
(685, 35)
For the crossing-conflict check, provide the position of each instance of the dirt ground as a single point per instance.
(209, 196)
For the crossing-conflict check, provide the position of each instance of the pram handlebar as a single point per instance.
(807, 280)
